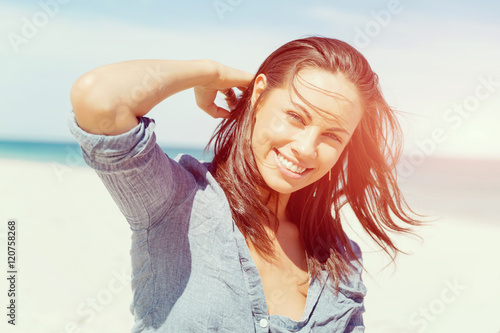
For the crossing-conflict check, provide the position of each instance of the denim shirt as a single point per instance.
(191, 268)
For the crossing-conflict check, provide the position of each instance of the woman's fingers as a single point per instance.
(205, 100)
(229, 93)
(227, 79)
(217, 112)
(230, 98)
(233, 77)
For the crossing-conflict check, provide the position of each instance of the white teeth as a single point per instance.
(289, 165)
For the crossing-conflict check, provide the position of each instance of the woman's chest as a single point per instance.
(285, 283)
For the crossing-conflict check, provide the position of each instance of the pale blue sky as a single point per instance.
(432, 58)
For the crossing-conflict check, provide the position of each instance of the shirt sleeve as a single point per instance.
(144, 182)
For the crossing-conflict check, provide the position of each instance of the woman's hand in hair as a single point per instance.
(224, 79)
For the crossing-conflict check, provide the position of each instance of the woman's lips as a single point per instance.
(285, 171)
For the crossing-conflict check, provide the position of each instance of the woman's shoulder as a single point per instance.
(353, 287)
(201, 170)
(354, 259)
(344, 243)
(191, 163)
(355, 248)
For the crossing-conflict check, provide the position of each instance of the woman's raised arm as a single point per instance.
(107, 100)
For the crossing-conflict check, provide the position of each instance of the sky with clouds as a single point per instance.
(437, 61)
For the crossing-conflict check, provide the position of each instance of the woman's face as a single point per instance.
(295, 146)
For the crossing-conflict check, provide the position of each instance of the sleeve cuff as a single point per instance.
(98, 150)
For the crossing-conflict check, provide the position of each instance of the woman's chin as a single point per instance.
(283, 187)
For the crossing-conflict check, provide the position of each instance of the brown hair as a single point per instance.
(364, 175)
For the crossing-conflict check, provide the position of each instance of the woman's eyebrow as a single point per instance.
(308, 115)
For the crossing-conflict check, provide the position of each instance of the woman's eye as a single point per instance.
(295, 117)
(334, 136)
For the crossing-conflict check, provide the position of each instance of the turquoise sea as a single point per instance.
(69, 153)
(462, 188)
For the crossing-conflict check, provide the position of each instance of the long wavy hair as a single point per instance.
(363, 177)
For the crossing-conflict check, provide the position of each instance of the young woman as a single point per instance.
(251, 241)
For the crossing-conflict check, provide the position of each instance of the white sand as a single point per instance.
(73, 252)
(72, 244)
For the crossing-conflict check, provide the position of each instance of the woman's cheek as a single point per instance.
(330, 156)
(272, 128)
(277, 124)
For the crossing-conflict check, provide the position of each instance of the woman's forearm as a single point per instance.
(107, 100)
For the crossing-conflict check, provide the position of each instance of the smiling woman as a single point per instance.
(299, 141)
(249, 241)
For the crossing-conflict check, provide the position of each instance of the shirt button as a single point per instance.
(263, 323)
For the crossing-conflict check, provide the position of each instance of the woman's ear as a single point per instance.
(259, 86)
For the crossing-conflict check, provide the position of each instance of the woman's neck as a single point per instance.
(277, 204)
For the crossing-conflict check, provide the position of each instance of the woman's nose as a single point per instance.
(305, 145)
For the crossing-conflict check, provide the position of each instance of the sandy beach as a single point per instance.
(74, 267)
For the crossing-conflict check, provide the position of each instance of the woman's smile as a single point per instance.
(289, 168)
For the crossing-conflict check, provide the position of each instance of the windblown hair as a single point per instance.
(364, 175)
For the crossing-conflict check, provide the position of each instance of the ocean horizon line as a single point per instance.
(20, 149)
(70, 152)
